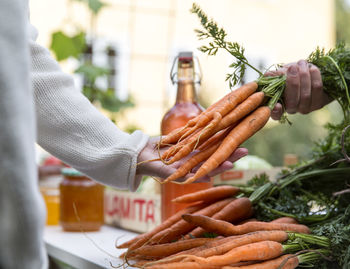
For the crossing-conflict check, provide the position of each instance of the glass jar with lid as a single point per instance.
(81, 202)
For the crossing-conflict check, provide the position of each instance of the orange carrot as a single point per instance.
(173, 136)
(218, 123)
(259, 251)
(155, 265)
(242, 110)
(247, 220)
(191, 163)
(143, 238)
(190, 145)
(285, 220)
(245, 129)
(181, 255)
(220, 249)
(226, 228)
(170, 248)
(171, 151)
(219, 136)
(225, 105)
(208, 195)
(271, 264)
(183, 227)
(180, 265)
(236, 210)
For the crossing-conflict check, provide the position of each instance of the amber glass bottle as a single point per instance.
(185, 108)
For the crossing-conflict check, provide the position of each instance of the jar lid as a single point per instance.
(71, 172)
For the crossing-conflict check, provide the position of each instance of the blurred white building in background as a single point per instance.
(149, 34)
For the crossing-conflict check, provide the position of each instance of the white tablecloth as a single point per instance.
(86, 250)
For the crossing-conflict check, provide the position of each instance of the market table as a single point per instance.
(81, 250)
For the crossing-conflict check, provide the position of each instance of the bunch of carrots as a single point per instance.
(216, 133)
(236, 240)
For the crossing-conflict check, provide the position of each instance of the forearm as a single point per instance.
(76, 132)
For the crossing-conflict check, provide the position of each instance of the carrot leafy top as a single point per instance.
(334, 65)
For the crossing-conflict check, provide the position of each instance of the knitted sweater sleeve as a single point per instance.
(72, 129)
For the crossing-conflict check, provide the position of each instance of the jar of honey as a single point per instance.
(81, 202)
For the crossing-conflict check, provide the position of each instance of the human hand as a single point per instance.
(160, 170)
(304, 91)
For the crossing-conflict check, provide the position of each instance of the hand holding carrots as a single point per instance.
(303, 92)
(205, 144)
(160, 170)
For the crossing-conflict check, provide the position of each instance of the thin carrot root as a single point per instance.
(190, 163)
(189, 147)
(176, 147)
(148, 161)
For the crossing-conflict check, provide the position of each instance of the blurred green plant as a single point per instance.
(276, 140)
(77, 46)
(342, 20)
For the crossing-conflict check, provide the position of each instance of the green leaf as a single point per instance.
(65, 46)
(92, 72)
(94, 5)
(112, 103)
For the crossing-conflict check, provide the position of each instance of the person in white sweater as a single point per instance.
(38, 102)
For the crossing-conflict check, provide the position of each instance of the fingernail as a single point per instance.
(293, 70)
(275, 109)
(302, 62)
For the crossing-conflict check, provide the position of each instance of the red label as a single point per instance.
(229, 175)
(137, 209)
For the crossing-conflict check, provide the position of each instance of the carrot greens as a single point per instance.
(316, 192)
(334, 65)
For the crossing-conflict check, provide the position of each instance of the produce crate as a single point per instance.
(132, 211)
(238, 177)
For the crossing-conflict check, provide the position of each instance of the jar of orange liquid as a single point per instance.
(52, 201)
(186, 107)
(81, 202)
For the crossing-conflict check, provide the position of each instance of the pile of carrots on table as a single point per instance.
(237, 240)
(216, 133)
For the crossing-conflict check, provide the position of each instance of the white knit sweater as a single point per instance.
(68, 126)
(72, 129)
